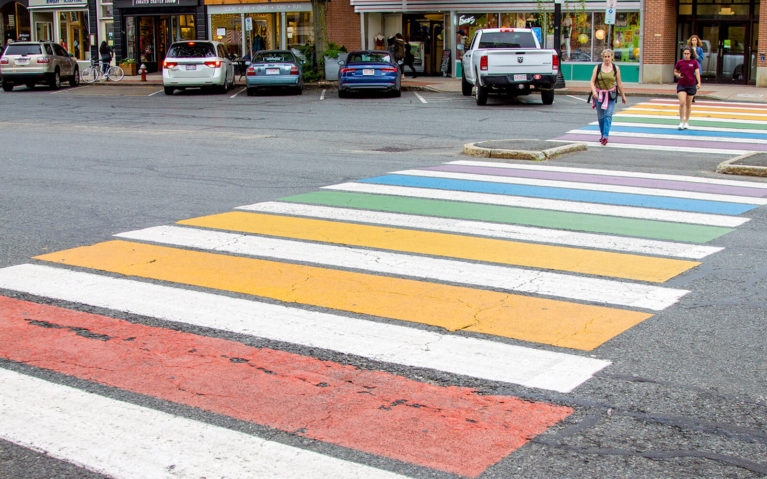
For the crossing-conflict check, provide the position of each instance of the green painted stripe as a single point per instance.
(512, 215)
(694, 122)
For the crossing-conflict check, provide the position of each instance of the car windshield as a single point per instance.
(273, 57)
(191, 50)
(23, 49)
(371, 57)
(507, 40)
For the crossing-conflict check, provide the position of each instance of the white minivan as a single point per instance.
(197, 64)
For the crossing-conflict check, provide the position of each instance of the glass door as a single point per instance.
(725, 49)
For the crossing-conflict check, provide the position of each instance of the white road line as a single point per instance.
(695, 115)
(545, 204)
(566, 286)
(639, 146)
(577, 98)
(155, 93)
(238, 92)
(714, 104)
(497, 230)
(423, 100)
(322, 95)
(586, 186)
(617, 173)
(670, 136)
(124, 440)
(481, 358)
(692, 127)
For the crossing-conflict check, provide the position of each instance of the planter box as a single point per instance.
(129, 68)
(332, 67)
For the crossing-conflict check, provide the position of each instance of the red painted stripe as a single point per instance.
(446, 428)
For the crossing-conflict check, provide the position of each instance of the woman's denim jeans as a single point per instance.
(605, 117)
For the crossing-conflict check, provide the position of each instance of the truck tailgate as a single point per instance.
(505, 62)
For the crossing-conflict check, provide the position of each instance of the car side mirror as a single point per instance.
(341, 62)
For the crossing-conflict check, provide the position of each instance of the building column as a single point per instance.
(659, 47)
(761, 55)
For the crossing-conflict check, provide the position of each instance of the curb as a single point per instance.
(472, 149)
(727, 167)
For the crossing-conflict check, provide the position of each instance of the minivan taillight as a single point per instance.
(483, 62)
(214, 64)
(169, 64)
(43, 60)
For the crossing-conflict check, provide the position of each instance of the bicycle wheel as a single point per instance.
(116, 73)
(89, 74)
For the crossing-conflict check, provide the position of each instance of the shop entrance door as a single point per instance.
(725, 50)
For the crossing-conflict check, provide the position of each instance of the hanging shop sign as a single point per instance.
(155, 3)
(40, 4)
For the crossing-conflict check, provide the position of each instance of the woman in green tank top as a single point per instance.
(605, 85)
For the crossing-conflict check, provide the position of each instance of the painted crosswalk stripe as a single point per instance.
(121, 440)
(496, 230)
(372, 411)
(690, 145)
(475, 357)
(565, 194)
(651, 125)
(596, 290)
(673, 137)
(738, 139)
(659, 180)
(539, 320)
(537, 217)
(560, 258)
(468, 174)
(591, 141)
(729, 123)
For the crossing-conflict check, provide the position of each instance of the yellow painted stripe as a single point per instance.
(695, 114)
(602, 263)
(538, 320)
(698, 107)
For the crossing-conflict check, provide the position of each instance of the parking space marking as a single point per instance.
(423, 100)
(238, 92)
(322, 95)
(155, 93)
(577, 98)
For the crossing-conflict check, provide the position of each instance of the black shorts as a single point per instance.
(690, 90)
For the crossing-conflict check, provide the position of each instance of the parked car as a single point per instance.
(369, 70)
(274, 68)
(30, 63)
(197, 64)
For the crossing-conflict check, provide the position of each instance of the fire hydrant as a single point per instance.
(142, 71)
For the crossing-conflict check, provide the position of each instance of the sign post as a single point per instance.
(612, 5)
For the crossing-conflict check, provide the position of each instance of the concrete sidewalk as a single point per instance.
(725, 92)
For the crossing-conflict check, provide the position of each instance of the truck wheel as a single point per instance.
(465, 86)
(481, 94)
(547, 97)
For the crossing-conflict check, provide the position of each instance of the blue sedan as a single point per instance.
(274, 68)
(369, 70)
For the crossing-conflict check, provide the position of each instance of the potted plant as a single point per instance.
(128, 65)
(332, 56)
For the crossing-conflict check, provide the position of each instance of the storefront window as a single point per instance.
(74, 33)
(182, 28)
(227, 29)
(130, 37)
(43, 25)
(626, 37)
(576, 31)
(146, 39)
(266, 32)
(300, 30)
(470, 22)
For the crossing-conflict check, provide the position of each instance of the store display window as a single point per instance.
(299, 29)
(470, 22)
(74, 33)
(227, 29)
(265, 34)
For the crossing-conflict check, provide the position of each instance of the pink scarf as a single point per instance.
(600, 96)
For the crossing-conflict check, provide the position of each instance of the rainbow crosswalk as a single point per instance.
(508, 273)
(716, 127)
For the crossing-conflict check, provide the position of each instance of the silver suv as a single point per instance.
(29, 63)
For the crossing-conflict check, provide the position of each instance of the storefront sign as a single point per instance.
(37, 4)
(155, 3)
(466, 20)
(149, 3)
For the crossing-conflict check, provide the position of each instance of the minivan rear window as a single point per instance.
(191, 50)
(507, 40)
(22, 50)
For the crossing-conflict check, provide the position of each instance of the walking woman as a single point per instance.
(697, 50)
(687, 86)
(605, 85)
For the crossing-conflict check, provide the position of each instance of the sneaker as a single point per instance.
(686, 125)
(603, 140)
(681, 126)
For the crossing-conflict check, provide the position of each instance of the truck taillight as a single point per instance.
(483, 63)
(555, 61)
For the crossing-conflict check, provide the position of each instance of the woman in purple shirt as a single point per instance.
(688, 72)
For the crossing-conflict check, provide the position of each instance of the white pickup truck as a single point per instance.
(509, 61)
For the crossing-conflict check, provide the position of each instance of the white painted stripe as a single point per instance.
(667, 136)
(675, 102)
(481, 358)
(238, 92)
(577, 98)
(155, 93)
(628, 114)
(692, 127)
(571, 287)
(618, 173)
(640, 146)
(544, 204)
(124, 440)
(497, 230)
(322, 95)
(422, 99)
(701, 107)
(587, 186)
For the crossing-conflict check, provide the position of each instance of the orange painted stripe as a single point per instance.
(540, 320)
(452, 429)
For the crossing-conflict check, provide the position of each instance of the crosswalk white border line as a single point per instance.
(469, 356)
(544, 204)
(712, 102)
(510, 278)
(659, 126)
(617, 173)
(692, 195)
(670, 136)
(700, 107)
(124, 440)
(639, 146)
(693, 116)
(497, 230)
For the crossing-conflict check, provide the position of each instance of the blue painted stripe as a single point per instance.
(676, 131)
(569, 194)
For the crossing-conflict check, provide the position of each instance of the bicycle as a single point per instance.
(93, 73)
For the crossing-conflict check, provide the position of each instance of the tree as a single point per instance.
(319, 20)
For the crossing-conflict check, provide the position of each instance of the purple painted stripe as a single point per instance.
(603, 180)
(670, 142)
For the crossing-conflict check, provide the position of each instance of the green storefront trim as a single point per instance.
(582, 71)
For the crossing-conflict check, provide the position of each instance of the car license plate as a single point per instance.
(191, 67)
(22, 61)
(368, 71)
(272, 71)
(520, 77)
